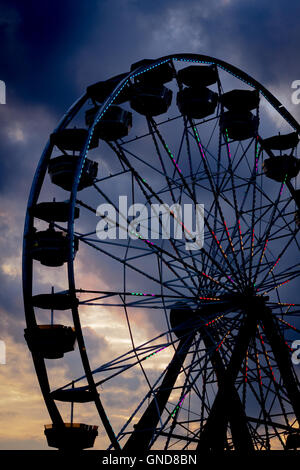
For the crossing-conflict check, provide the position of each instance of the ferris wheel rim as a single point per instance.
(41, 169)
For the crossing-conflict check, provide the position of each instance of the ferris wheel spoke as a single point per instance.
(134, 268)
(92, 243)
(267, 233)
(237, 211)
(216, 202)
(170, 154)
(148, 198)
(190, 161)
(153, 248)
(152, 133)
(269, 265)
(155, 195)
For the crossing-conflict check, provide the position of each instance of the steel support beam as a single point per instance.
(145, 429)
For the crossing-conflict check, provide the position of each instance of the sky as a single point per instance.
(50, 51)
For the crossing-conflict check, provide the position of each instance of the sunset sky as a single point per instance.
(50, 52)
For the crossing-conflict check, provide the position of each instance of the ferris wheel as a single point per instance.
(205, 362)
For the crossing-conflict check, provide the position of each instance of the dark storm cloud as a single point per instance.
(40, 41)
(48, 47)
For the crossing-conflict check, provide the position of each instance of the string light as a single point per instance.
(223, 340)
(263, 253)
(209, 277)
(199, 143)
(227, 231)
(213, 321)
(240, 232)
(277, 287)
(142, 293)
(156, 352)
(288, 324)
(266, 354)
(285, 303)
(227, 141)
(274, 266)
(181, 223)
(172, 158)
(287, 310)
(256, 156)
(252, 244)
(246, 367)
(178, 406)
(220, 246)
(282, 186)
(209, 298)
(258, 368)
